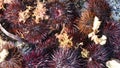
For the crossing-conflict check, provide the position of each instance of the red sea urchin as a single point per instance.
(86, 22)
(55, 9)
(61, 12)
(101, 9)
(12, 58)
(12, 11)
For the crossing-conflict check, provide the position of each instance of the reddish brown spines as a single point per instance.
(86, 22)
(14, 58)
(101, 9)
(12, 11)
(35, 33)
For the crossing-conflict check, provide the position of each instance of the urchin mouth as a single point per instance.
(55, 9)
(58, 13)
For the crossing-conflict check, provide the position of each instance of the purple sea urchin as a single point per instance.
(31, 59)
(34, 59)
(112, 31)
(66, 58)
(97, 56)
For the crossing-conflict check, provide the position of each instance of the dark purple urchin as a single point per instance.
(101, 9)
(97, 56)
(72, 11)
(66, 58)
(13, 57)
(41, 36)
(116, 51)
(56, 13)
(61, 12)
(112, 31)
(36, 59)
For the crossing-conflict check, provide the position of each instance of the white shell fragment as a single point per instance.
(3, 54)
(96, 23)
(93, 36)
(113, 63)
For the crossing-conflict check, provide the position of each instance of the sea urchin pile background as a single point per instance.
(58, 34)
